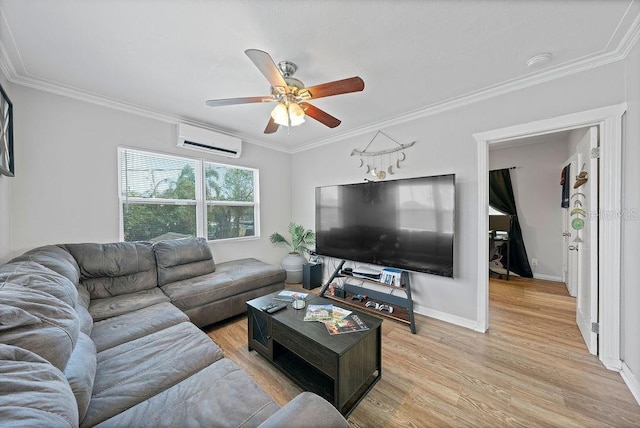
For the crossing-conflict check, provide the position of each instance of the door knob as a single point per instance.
(573, 248)
(566, 234)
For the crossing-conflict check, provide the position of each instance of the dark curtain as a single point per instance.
(501, 198)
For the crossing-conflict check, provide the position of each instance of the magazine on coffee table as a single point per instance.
(349, 324)
(338, 313)
(318, 313)
(290, 296)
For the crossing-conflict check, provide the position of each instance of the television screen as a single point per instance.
(407, 223)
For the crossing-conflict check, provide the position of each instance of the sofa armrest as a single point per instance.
(306, 410)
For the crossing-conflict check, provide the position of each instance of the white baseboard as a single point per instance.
(443, 316)
(631, 380)
(547, 277)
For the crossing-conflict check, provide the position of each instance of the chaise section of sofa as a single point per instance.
(141, 361)
(207, 292)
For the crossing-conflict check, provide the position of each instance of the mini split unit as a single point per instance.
(191, 137)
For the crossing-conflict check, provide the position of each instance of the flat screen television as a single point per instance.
(407, 224)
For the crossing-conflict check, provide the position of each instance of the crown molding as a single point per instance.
(10, 74)
(6, 66)
(626, 43)
(632, 36)
(483, 94)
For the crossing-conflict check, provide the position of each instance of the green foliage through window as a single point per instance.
(159, 198)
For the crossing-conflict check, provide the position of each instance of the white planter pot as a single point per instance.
(293, 263)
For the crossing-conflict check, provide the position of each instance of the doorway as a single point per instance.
(555, 215)
(609, 121)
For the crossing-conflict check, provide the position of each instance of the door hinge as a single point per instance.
(595, 327)
(595, 153)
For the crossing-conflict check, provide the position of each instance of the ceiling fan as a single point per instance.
(291, 94)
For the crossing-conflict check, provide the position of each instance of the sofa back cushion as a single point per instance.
(114, 269)
(34, 393)
(55, 258)
(179, 259)
(37, 321)
(35, 276)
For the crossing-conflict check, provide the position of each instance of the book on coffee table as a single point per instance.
(318, 313)
(349, 324)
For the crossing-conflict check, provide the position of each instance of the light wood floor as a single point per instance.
(530, 369)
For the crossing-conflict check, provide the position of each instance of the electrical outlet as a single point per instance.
(534, 262)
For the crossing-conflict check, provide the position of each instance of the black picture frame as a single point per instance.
(7, 166)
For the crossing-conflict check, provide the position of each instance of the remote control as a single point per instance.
(276, 308)
(269, 306)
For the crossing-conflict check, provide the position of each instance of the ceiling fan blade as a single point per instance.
(233, 101)
(272, 127)
(320, 115)
(345, 86)
(267, 67)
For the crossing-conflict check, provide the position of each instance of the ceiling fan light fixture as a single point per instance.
(293, 115)
(296, 114)
(280, 115)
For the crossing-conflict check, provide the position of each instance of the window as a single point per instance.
(165, 197)
(230, 201)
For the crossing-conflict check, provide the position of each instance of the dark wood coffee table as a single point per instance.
(341, 368)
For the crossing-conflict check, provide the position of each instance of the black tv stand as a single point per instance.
(403, 305)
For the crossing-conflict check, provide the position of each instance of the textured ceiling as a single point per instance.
(165, 58)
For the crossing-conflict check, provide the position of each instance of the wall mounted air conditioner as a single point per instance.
(191, 137)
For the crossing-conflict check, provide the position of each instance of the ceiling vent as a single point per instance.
(191, 137)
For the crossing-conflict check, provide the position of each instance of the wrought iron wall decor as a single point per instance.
(6, 135)
(374, 161)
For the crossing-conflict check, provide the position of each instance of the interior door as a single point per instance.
(586, 240)
(570, 253)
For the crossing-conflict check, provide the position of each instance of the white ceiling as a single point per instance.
(164, 58)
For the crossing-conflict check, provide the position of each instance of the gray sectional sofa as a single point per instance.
(107, 335)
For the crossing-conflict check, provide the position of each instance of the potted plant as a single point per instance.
(301, 240)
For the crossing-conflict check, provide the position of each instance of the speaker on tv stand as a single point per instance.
(311, 275)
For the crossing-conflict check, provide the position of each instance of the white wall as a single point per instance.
(67, 186)
(446, 145)
(630, 339)
(537, 190)
(5, 197)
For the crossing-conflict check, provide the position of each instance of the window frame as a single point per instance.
(201, 203)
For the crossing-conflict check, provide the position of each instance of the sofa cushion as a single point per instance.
(33, 392)
(56, 258)
(316, 411)
(232, 399)
(53, 337)
(12, 317)
(101, 309)
(84, 298)
(81, 371)
(38, 277)
(86, 320)
(229, 279)
(115, 269)
(134, 325)
(135, 371)
(184, 258)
